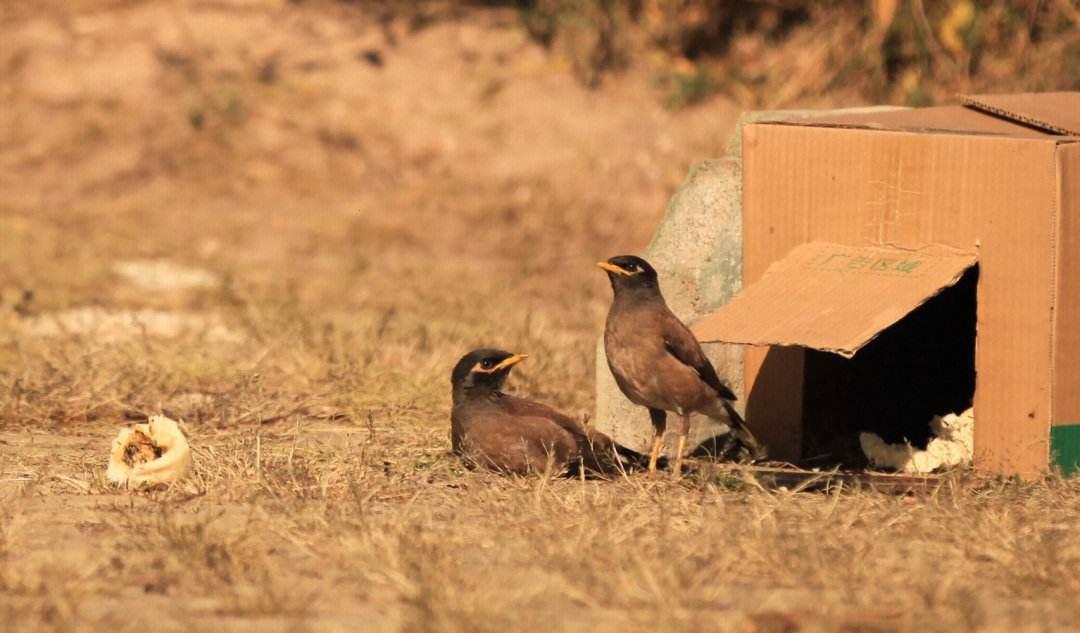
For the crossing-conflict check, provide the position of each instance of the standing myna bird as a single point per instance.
(509, 434)
(658, 363)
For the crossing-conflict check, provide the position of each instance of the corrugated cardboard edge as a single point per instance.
(998, 105)
(950, 120)
(779, 118)
(792, 117)
(876, 127)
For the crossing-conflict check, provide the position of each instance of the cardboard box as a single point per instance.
(897, 262)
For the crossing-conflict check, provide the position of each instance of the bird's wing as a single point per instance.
(680, 343)
(522, 407)
(518, 443)
(598, 451)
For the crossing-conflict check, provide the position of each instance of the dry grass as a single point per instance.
(314, 530)
(352, 275)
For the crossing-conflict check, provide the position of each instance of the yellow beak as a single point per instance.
(510, 362)
(612, 268)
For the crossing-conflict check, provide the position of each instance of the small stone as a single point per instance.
(160, 274)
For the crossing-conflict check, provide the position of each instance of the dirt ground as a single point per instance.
(283, 223)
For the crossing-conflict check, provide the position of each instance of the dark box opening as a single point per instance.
(922, 366)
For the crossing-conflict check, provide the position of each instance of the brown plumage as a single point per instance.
(656, 360)
(501, 432)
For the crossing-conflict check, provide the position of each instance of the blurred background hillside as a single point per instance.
(783, 53)
(211, 79)
(284, 85)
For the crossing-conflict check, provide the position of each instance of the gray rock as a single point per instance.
(697, 250)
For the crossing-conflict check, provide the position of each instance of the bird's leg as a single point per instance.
(654, 455)
(659, 422)
(684, 430)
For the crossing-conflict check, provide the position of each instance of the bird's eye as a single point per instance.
(487, 364)
(632, 268)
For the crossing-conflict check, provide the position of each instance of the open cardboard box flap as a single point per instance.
(1029, 115)
(833, 297)
(1054, 112)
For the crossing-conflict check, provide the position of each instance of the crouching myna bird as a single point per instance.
(491, 429)
(658, 363)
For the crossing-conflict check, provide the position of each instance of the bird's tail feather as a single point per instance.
(604, 455)
(630, 456)
(742, 432)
